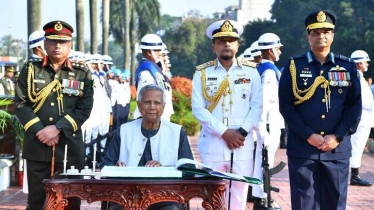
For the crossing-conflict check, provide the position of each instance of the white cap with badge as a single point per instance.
(224, 28)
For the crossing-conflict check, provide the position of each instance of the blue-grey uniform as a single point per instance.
(319, 99)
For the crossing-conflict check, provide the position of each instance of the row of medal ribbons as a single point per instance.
(339, 79)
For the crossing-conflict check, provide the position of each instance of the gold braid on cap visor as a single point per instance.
(59, 37)
(38, 98)
(226, 34)
(320, 25)
(309, 92)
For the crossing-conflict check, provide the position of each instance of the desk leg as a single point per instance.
(54, 198)
(217, 200)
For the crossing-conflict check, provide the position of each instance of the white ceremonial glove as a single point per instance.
(263, 137)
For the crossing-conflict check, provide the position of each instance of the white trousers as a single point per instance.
(239, 190)
(258, 190)
(358, 141)
(104, 126)
(273, 144)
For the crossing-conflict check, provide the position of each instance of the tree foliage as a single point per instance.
(144, 18)
(354, 26)
(188, 46)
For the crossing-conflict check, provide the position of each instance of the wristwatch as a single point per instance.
(243, 132)
(58, 127)
(339, 137)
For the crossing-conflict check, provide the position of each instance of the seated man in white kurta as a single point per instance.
(149, 141)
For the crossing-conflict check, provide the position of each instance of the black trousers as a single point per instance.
(37, 171)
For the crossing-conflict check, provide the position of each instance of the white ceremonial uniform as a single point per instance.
(359, 139)
(100, 114)
(125, 93)
(116, 91)
(146, 78)
(241, 107)
(270, 112)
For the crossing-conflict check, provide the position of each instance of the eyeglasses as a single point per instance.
(63, 43)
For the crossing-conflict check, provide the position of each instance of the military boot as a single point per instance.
(357, 180)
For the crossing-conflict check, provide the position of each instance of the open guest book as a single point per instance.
(182, 165)
(140, 172)
(202, 169)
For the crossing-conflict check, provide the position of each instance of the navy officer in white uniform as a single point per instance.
(227, 101)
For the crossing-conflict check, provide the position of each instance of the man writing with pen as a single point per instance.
(149, 141)
(227, 101)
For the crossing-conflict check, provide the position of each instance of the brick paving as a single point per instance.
(359, 198)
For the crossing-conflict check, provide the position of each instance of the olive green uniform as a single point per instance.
(7, 84)
(42, 98)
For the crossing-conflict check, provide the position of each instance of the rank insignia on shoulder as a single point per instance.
(243, 62)
(35, 59)
(204, 65)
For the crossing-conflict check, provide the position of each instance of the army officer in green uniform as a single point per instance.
(54, 96)
(7, 82)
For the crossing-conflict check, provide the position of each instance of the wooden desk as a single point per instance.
(135, 194)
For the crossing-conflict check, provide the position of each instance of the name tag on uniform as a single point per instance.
(39, 81)
(305, 75)
(211, 83)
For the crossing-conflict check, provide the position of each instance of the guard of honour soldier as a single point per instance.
(222, 89)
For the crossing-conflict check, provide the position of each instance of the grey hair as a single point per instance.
(151, 87)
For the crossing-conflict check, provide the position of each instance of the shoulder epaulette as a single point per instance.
(298, 56)
(246, 63)
(204, 65)
(79, 66)
(342, 57)
(32, 60)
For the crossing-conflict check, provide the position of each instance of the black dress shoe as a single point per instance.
(357, 180)
(260, 204)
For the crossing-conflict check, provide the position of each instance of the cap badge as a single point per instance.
(58, 26)
(227, 27)
(321, 17)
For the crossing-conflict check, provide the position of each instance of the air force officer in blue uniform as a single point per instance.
(320, 100)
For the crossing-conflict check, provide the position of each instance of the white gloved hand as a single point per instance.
(263, 137)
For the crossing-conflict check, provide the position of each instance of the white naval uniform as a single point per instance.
(359, 139)
(98, 122)
(146, 78)
(245, 112)
(270, 112)
(125, 93)
(116, 91)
